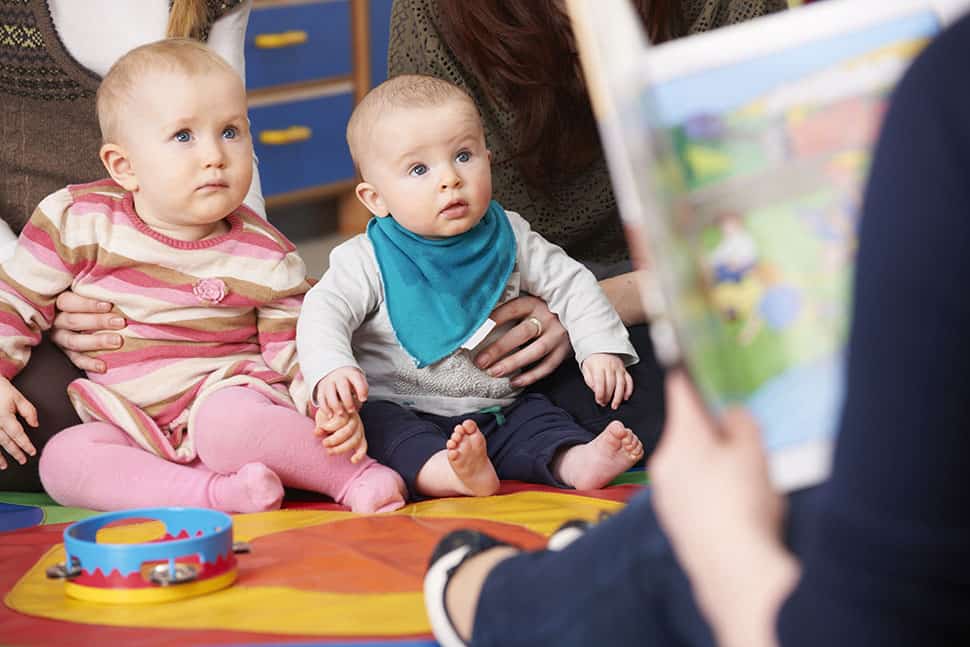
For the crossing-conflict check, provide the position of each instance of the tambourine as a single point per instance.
(195, 556)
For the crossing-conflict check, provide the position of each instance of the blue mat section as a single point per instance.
(13, 516)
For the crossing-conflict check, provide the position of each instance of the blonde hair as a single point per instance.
(404, 91)
(188, 19)
(182, 55)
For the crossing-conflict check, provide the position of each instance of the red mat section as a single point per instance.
(274, 564)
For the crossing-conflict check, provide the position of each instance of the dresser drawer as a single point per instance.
(302, 144)
(302, 42)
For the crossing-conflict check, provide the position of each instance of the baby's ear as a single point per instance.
(371, 198)
(119, 167)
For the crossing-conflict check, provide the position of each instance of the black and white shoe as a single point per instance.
(568, 533)
(571, 531)
(450, 553)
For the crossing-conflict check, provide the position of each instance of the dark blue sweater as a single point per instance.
(888, 562)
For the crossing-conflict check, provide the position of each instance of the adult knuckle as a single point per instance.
(69, 320)
(73, 343)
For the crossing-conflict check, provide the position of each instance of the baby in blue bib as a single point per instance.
(388, 336)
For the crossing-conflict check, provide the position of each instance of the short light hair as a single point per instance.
(404, 91)
(183, 55)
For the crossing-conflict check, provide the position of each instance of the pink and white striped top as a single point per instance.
(201, 315)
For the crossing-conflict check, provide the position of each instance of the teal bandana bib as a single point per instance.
(439, 292)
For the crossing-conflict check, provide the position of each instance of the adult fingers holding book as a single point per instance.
(723, 462)
(710, 479)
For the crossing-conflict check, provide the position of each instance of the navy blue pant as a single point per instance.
(620, 584)
(643, 413)
(521, 445)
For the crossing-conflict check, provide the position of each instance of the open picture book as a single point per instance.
(738, 159)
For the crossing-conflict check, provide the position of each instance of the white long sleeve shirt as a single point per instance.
(345, 322)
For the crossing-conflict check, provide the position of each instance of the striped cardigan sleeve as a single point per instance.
(276, 324)
(43, 265)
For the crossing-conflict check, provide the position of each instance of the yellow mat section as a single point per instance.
(314, 605)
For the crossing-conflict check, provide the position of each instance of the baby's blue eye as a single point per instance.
(463, 156)
(230, 132)
(418, 170)
(183, 136)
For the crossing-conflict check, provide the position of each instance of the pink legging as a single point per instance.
(248, 448)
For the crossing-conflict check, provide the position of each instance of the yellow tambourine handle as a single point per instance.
(287, 38)
(290, 135)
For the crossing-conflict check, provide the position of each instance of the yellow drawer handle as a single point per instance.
(290, 135)
(282, 39)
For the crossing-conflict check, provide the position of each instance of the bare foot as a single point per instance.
(593, 465)
(469, 459)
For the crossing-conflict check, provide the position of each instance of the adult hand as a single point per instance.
(12, 437)
(77, 316)
(546, 345)
(714, 500)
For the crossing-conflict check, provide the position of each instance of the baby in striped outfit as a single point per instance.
(203, 404)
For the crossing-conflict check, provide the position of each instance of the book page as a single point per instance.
(745, 152)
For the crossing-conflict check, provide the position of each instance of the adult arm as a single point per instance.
(710, 480)
(572, 293)
(888, 562)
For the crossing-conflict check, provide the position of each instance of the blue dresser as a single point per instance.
(307, 63)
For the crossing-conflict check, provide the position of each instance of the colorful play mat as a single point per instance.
(317, 574)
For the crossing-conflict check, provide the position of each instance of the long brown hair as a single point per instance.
(188, 19)
(524, 56)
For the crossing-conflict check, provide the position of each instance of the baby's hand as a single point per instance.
(343, 432)
(12, 436)
(343, 390)
(607, 377)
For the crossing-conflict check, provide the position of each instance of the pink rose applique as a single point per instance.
(210, 290)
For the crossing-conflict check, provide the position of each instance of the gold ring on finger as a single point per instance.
(538, 324)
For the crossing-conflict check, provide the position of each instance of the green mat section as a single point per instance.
(53, 513)
(633, 477)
